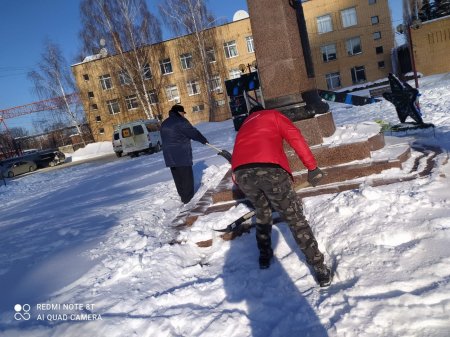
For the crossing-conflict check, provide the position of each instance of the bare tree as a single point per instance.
(193, 17)
(128, 28)
(54, 80)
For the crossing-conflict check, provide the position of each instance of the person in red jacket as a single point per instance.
(261, 170)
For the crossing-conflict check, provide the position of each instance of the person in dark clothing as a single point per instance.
(176, 135)
(261, 170)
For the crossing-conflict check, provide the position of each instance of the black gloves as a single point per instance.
(226, 155)
(315, 176)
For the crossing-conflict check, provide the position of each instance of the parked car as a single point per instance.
(19, 167)
(59, 158)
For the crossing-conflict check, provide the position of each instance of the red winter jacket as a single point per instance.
(260, 140)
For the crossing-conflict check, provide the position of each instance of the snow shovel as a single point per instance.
(236, 224)
(220, 152)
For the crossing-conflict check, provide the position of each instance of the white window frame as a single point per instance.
(193, 87)
(328, 51)
(354, 73)
(350, 45)
(124, 77)
(172, 93)
(198, 107)
(186, 61)
(106, 82)
(152, 97)
(166, 66)
(131, 102)
(147, 72)
(250, 45)
(113, 106)
(210, 55)
(349, 17)
(324, 24)
(330, 79)
(215, 83)
(230, 49)
(219, 102)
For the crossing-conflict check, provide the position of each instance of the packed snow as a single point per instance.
(87, 249)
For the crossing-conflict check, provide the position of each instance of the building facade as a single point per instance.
(173, 77)
(351, 41)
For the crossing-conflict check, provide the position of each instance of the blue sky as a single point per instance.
(25, 24)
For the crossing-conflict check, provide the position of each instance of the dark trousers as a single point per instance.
(183, 176)
(268, 187)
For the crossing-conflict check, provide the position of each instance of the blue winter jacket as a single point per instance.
(176, 134)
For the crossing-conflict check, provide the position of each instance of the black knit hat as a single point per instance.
(178, 108)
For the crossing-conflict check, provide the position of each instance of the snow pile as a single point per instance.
(92, 151)
(98, 235)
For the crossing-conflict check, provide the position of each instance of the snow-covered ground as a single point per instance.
(84, 251)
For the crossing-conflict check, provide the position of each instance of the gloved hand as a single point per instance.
(225, 154)
(315, 176)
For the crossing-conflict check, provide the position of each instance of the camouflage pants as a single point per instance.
(268, 187)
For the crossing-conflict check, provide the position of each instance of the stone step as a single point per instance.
(394, 156)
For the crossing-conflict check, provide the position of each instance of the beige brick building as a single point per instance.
(351, 41)
(431, 41)
(109, 100)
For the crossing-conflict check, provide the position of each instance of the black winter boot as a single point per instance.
(323, 275)
(265, 256)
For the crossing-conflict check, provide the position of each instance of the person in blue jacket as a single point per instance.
(176, 134)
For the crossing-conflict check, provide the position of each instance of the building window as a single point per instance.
(250, 46)
(86, 77)
(328, 52)
(215, 83)
(132, 102)
(193, 87)
(211, 55)
(353, 46)
(234, 73)
(94, 106)
(198, 108)
(186, 61)
(230, 49)
(101, 131)
(172, 93)
(147, 72)
(333, 80)
(377, 35)
(379, 50)
(98, 119)
(152, 97)
(349, 17)
(374, 20)
(220, 102)
(166, 66)
(372, 2)
(91, 94)
(106, 82)
(381, 64)
(113, 106)
(358, 74)
(324, 24)
(124, 77)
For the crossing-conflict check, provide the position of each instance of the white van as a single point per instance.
(140, 136)
(117, 143)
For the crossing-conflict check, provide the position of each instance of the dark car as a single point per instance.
(19, 167)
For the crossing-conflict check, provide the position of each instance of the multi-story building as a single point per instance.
(351, 41)
(109, 99)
